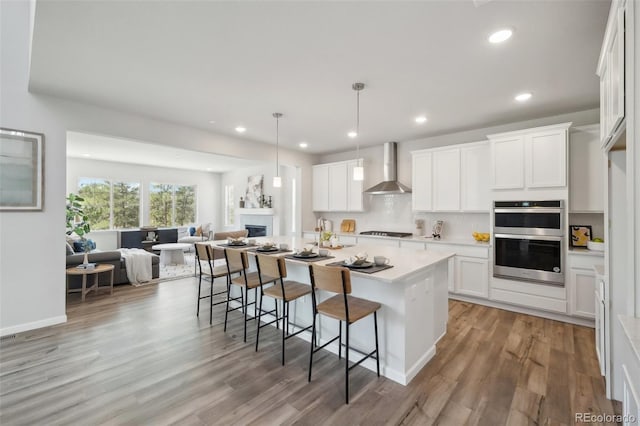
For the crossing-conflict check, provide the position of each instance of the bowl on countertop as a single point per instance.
(482, 236)
(595, 246)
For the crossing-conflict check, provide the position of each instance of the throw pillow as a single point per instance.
(69, 249)
(192, 231)
(205, 229)
(199, 231)
(78, 246)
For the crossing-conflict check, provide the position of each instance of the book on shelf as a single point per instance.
(86, 266)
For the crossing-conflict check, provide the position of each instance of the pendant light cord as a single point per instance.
(277, 146)
(358, 126)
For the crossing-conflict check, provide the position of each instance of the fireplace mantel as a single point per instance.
(261, 212)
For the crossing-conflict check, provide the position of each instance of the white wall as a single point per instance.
(209, 206)
(393, 212)
(32, 297)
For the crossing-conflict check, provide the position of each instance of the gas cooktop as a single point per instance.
(387, 234)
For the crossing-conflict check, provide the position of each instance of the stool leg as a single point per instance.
(198, 308)
(339, 339)
(275, 302)
(246, 308)
(346, 364)
(258, 325)
(375, 326)
(313, 339)
(285, 313)
(226, 312)
(210, 303)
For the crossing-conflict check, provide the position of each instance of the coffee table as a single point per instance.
(172, 253)
(86, 272)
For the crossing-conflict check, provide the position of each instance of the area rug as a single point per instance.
(174, 272)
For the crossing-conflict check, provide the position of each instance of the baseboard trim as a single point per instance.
(523, 310)
(33, 325)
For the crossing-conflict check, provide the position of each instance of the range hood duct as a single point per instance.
(390, 185)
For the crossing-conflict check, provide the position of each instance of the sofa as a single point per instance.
(199, 234)
(112, 257)
(219, 253)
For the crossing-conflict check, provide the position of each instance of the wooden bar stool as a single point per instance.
(204, 253)
(343, 308)
(237, 262)
(272, 268)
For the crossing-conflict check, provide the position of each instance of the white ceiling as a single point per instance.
(237, 62)
(95, 147)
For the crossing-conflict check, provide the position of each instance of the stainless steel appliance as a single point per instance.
(390, 184)
(529, 241)
(387, 234)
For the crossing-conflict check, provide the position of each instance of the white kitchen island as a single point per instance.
(414, 299)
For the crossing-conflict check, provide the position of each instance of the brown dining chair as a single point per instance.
(238, 262)
(204, 255)
(344, 308)
(272, 268)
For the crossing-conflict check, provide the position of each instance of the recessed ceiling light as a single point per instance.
(241, 129)
(209, 169)
(303, 144)
(86, 155)
(521, 97)
(352, 134)
(421, 119)
(212, 121)
(500, 36)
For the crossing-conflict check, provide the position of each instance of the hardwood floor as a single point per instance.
(142, 357)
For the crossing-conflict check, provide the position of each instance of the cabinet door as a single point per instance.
(421, 181)
(630, 399)
(474, 161)
(320, 188)
(354, 190)
(587, 165)
(446, 180)
(615, 65)
(546, 159)
(472, 276)
(583, 287)
(507, 162)
(338, 187)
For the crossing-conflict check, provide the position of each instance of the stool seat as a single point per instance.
(358, 308)
(292, 290)
(253, 280)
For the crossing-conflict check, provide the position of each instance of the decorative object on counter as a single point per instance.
(419, 227)
(368, 269)
(359, 259)
(22, 171)
(580, 235)
(241, 203)
(348, 225)
(597, 244)
(254, 191)
(437, 229)
(482, 236)
(381, 260)
(277, 180)
(358, 169)
(270, 202)
(325, 238)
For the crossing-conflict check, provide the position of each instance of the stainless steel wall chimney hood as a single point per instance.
(390, 185)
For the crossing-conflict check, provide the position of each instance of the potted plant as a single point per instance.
(78, 222)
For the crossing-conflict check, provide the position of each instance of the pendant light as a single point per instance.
(358, 170)
(277, 180)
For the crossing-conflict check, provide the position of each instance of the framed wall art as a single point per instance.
(254, 191)
(21, 170)
(580, 235)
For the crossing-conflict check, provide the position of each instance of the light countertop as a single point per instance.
(457, 241)
(405, 261)
(631, 327)
(585, 252)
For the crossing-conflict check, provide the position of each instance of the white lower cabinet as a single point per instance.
(581, 285)
(630, 399)
(472, 276)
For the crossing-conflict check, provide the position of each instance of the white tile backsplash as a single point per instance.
(393, 213)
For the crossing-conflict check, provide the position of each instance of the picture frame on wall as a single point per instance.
(21, 170)
(580, 235)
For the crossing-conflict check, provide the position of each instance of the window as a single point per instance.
(229, 210)
(110, 204)
(171, 204)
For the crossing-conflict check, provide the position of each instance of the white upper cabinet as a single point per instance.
(532, 158)
(334, 189)
(421, 181)
(611, 72)
(320, 195)
(446, 179)
(587, 165)
(451, 179)
(546, 159)
(474, 177)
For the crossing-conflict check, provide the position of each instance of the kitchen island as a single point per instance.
(413, 295)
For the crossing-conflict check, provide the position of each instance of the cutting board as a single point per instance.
(348, 225)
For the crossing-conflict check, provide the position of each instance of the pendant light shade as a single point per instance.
(358, 170)
(277, 180)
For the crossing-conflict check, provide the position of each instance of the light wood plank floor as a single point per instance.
(142, 357)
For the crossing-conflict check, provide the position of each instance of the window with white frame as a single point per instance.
(229, 210)
(109, 204)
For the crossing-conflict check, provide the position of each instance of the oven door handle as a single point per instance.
(528, 237)
(532, 210)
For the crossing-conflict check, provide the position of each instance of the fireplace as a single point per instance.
(256, 230)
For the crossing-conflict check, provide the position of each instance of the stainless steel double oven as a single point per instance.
(529, 241)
